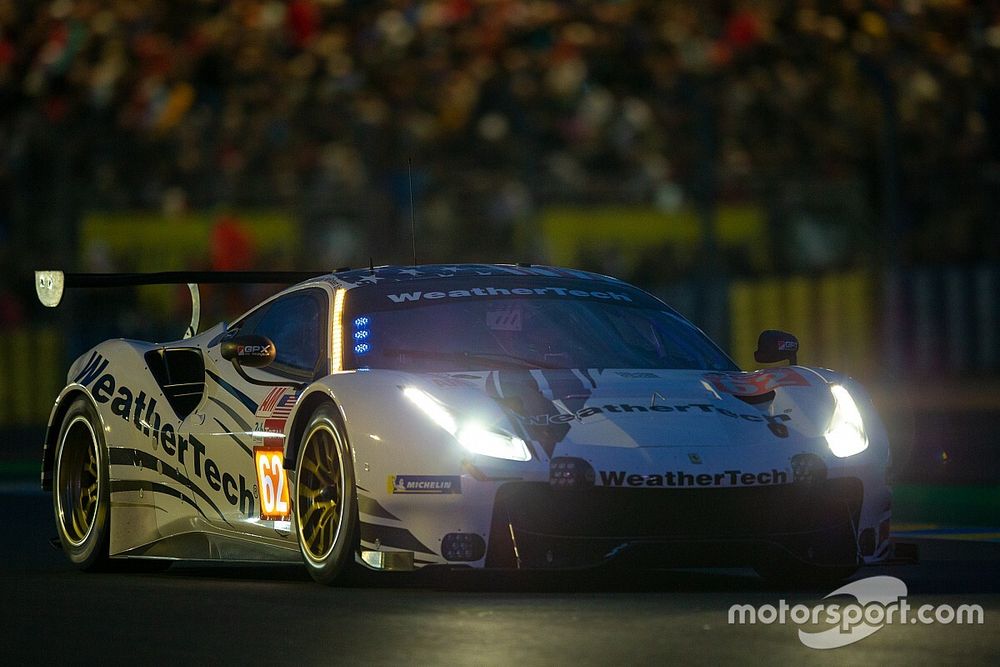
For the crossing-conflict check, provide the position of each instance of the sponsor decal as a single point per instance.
(424, 484)
(679, 478)
(139, 410)
(445, 381)
(275, 409)
(404, 297)
(757, 383)
(509, 319)
(625, 408)
(256, 350)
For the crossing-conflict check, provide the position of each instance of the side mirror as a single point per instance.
(774, 346)
(252, 351)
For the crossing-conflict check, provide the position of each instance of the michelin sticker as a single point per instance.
(424, 484)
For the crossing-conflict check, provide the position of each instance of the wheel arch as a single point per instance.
(65, 399)
(303, 411)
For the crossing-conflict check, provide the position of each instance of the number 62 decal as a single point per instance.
(272, 482)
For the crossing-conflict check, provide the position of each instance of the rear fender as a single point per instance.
(66, 397)
(124, 356)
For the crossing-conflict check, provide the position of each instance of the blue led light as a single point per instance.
(362, 334)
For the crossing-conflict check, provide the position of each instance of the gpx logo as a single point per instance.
(879, 601)
(253, 350)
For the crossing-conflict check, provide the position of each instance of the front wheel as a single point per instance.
(326, 514)
(80, 495)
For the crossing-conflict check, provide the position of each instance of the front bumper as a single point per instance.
(535, 526)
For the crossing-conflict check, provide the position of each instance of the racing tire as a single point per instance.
(80, 493)
(325, 504)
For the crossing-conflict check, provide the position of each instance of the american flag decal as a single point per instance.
(276, 408)
(267, 405)
(284, 406)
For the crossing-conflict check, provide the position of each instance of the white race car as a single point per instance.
(488, 416)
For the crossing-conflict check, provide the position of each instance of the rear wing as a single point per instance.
(50, 285)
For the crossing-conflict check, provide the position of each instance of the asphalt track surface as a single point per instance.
(201, 614)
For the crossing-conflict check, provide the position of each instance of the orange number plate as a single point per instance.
(272, 483)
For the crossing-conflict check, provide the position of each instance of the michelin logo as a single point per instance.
(424, 484)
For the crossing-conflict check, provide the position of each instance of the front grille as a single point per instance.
(556, 527)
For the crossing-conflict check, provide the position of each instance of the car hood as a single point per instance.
(567, 409)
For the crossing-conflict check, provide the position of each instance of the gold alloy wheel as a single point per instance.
(79, 483)
(320, 493)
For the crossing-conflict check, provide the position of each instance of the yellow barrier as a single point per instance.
(152, 242)
(832, 316)
(572, 234)
(158, 243)
(31, 375)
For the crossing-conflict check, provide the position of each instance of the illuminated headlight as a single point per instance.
(478, 440)
(846, 435)
(472, 436)
(437, 412)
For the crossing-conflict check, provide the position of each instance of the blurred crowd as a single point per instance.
(856, 124)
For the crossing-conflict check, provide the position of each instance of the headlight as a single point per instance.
(846, 435)
(477, 439)
(472, 436)
(437, 412)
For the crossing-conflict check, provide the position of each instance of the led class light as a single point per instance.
(479, 440)
(470, 434)
(846, 434)
(337, 357)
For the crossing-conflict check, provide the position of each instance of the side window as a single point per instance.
(296, 324)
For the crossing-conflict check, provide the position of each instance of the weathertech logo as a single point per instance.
(679, 478)
(625, 408)
(136, 408)
(403, 297)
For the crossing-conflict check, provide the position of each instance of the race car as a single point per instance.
(482, 416)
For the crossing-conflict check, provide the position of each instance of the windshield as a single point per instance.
(527, 332)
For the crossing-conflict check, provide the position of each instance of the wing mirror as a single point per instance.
(255, 352)
(252, 351)
(774, 346)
